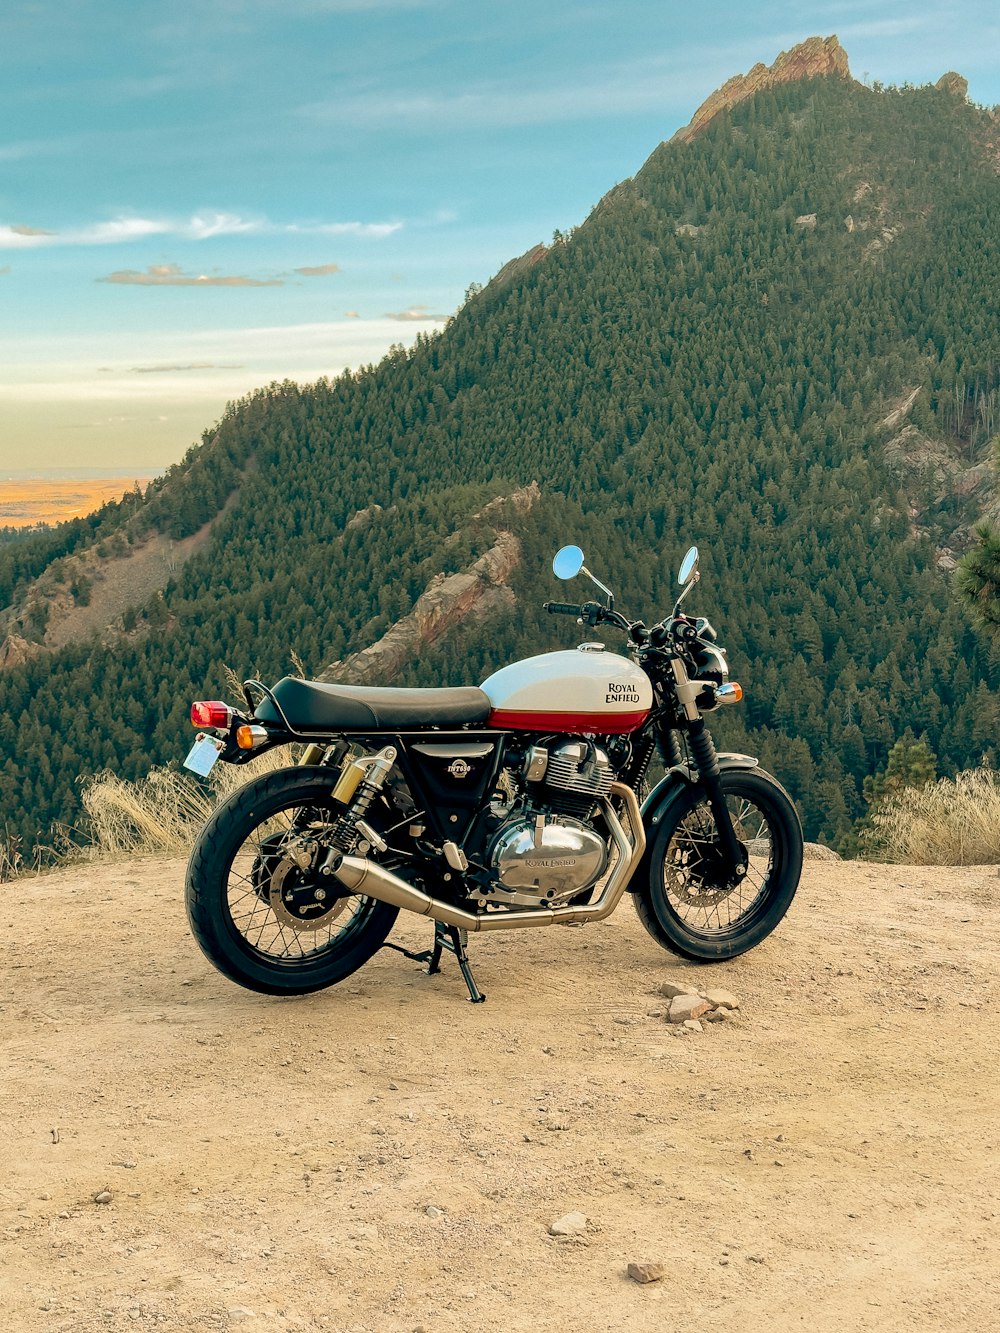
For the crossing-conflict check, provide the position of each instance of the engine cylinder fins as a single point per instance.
(580, 768)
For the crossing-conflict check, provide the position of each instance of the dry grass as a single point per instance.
(946, 823)
(162, 812)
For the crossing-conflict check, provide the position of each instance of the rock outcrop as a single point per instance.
(953, 83)
(815, 56)
(514, 268)
(447, 600)
(15, 650)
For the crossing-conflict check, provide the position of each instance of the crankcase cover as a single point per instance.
(563, 856)
(570, 691)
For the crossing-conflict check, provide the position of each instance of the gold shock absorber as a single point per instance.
(351, 777)
(371, 769)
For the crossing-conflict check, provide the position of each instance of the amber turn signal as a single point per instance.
(729, 694)
(247, 737)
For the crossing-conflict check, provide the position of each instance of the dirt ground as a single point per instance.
(829, 1159)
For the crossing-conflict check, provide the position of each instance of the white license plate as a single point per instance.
(203, 755)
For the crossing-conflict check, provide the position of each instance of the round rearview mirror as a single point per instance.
(688, 565)
(568, 562)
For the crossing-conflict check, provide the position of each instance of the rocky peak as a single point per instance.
(953, 83)
(814, 56)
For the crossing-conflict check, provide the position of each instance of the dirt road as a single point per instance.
(385, 1157)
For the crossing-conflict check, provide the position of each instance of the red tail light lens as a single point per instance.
(211, 713)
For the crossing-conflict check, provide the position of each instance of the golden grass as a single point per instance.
(164, 811)
(951, 822)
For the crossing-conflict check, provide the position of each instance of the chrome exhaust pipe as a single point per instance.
(364, 876)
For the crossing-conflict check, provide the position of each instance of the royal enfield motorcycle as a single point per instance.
(517, 804)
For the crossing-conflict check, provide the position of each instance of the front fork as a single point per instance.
(707, 764)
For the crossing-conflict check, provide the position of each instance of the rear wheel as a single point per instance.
(689, 904)
(258, 902)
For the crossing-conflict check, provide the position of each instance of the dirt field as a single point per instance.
(828, 1160)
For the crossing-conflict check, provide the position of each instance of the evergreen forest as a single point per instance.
(710, 357)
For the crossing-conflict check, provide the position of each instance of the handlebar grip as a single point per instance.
(562, 609)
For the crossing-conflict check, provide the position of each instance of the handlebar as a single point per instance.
(562, 609)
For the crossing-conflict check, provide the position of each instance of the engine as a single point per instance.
(547, 850)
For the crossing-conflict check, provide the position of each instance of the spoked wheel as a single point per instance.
(690, 903)
(259, 903)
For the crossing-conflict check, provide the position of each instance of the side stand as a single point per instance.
(454, 940)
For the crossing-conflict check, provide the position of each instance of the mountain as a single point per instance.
(779, 340)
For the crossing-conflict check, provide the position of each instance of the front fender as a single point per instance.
(669, 789)
(678, 779)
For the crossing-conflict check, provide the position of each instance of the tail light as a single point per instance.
(211, 713)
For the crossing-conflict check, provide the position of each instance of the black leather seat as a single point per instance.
(310, 705)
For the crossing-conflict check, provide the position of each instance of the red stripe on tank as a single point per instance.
(604, 723)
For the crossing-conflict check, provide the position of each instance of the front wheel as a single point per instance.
(688, 902)
(258, 901)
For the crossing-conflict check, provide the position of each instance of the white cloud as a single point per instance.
(415, 313)
(199, 227)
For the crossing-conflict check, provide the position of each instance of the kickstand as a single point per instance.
(454, 940)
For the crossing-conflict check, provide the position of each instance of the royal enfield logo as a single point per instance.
(621, 694)
(458, 768)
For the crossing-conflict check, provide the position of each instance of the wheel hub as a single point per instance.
(702, 876)
(287, 877)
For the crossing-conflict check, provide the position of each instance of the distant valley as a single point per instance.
(25, 503)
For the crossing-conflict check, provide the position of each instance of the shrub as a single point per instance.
(951, 822)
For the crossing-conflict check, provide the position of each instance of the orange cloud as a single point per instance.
(171, 275)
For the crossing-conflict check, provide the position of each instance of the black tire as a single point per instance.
(683, 901)
(231, 885)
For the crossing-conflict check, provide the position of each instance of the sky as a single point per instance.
(197, 199)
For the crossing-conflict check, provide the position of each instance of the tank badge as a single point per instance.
(458, 768)
(621, 694)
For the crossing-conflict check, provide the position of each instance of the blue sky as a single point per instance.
(196, 199)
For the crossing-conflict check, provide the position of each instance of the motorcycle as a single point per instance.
(511, 805)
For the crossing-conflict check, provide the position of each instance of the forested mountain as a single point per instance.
(780, 339)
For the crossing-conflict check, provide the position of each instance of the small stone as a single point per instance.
(722, 999)
(237, 1312)
(393, 1087)
(693, 1025)
(645, 1272)
(716, 1015)
(432, 1210)
(683, 1007)
(102, 1196)
(570, 1224)
(670, 988)
(778, 1162)
(656, 1013)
